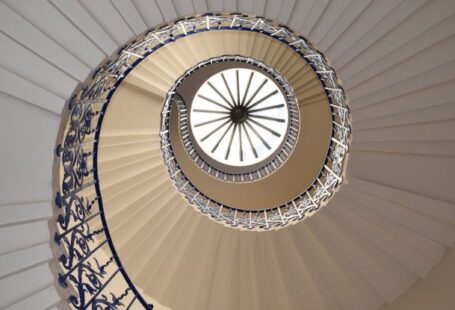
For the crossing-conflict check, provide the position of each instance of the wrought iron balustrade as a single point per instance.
(90, 272)
(329, 178)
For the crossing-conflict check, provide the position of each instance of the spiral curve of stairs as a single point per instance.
(388, 226)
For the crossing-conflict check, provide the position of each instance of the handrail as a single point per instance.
(261, 171)
(330, 177)
(96, 279)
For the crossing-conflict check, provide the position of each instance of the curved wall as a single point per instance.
(396, 60)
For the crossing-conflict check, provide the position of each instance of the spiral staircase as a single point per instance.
(376, 242)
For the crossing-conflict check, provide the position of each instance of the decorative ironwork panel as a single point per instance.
(81, 231)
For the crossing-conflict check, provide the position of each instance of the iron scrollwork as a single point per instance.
(81, 234)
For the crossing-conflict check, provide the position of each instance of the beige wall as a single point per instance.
(435, 292)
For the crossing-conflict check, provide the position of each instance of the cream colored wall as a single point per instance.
(435, 292)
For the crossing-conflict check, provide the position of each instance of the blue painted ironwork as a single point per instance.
(82, 241)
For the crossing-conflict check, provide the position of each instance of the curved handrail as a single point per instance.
(330, 177)
(89, 268)
(269, 166)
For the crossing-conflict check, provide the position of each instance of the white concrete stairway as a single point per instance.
(385, 229)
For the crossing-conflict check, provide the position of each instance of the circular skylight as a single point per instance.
(239, 117)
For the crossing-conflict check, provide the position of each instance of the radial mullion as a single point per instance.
(222, 137)
(267, 108)
(263, 99)
(228, 150)
(279, 120)
(247, 87)
(211, 121)
(256, 92)
(220, 94)
(215, 130)
(210, 111)
(249, 140)
(229, 89)
(214, 102)
(240, 143)
(258, 135)
(273, 132)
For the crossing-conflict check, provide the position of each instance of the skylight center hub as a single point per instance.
(239, 118)
(239, 114)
